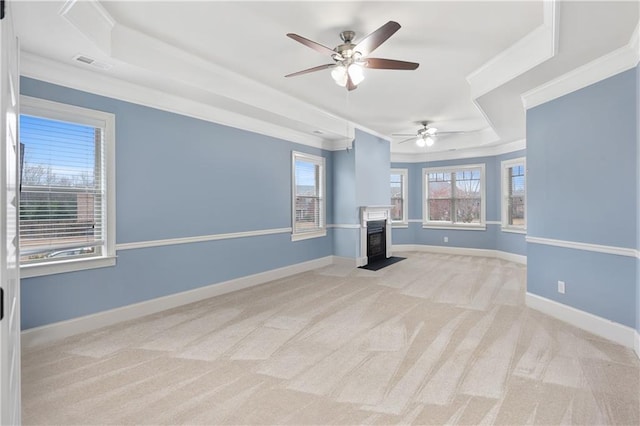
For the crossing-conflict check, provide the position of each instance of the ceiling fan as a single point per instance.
(349, 59)
(425, 136)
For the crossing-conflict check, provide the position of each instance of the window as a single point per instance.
(308, 208)
(513, 195)
(399, 197)
(67, 211)
(454, 197)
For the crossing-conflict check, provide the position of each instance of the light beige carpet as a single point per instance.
(434, 339)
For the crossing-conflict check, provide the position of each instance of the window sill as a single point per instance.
(308, 235)
(399, 225)
(514, 230)
(63, 266)
(476, 227)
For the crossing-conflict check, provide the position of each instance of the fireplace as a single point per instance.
(375, 234)
(376, 240)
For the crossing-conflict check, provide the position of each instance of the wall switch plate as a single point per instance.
(446, 239)
(561, 287)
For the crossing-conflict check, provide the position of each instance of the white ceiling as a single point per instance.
(226, 61)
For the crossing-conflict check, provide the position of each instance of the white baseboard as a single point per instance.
(511, 257)
(59, 330)
(462, 251)
(345, 261)
(599, 326)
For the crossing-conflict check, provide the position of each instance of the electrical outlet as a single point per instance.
(561, 287)
(446, 239)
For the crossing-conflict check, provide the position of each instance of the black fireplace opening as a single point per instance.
(376, 240)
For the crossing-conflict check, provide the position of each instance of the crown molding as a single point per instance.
(190, 73)
(485, 151)
(599, 69)
(533, 49)
(54, 72)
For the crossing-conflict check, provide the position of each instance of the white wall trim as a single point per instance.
(462, 251)
(344, 226)
(599, 69)
(59, 330)
(482, 151)
(618, 251)
(636, 346)
(54, 72)
(345, 261)
(599, 326)
(64, 266)
(511, 257)
(201, 238)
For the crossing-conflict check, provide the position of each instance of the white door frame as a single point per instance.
(10, 405)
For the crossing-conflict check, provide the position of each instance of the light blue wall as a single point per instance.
(493, 238)
(582, 165)
(361, 178)
(179, 177)
(373, 159)
(345, 210)
(582, 187)
(598, 283)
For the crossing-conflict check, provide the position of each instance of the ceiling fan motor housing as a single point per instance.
(347, 36)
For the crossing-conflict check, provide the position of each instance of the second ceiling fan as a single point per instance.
(425, 136)
(350, 58)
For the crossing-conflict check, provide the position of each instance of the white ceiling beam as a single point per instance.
(530, 51)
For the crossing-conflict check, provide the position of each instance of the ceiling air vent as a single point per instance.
(92, 62)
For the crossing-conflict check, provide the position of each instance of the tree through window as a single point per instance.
(454, 196)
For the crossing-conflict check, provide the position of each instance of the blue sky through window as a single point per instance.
(56, 152)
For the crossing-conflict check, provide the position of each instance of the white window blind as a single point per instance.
(308, 191)
(63, 192)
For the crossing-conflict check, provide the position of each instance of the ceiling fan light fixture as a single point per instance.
(356, 72)
(429, 141)
(421, 142)
(339, 75)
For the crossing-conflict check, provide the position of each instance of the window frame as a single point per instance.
(504, 191)
(404, 173)
(70, 113)
(321, 231)
(426, 223)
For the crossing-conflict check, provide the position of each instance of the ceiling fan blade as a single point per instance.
(404, 134)
(459, 132)
(376, 38)
(390, 64)
(312, 44)
(318, 68)
(407, 140)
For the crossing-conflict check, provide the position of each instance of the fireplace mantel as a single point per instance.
(373, 213)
